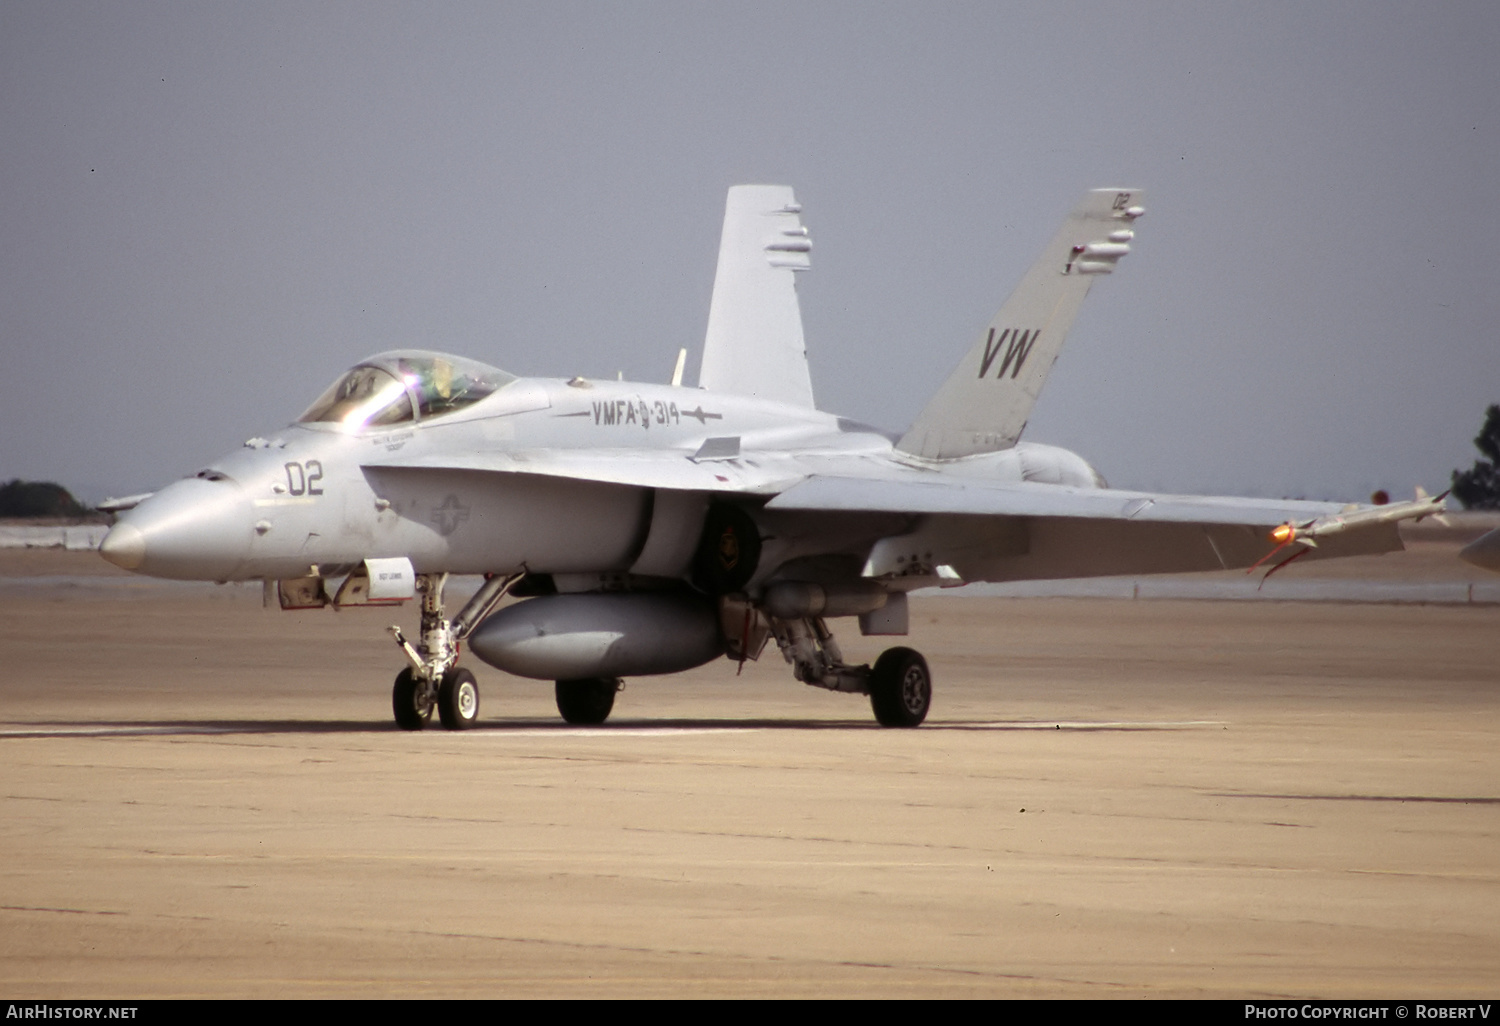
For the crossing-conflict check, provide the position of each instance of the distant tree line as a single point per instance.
(1479, 487)
(38, 499)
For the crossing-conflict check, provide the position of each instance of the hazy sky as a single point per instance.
(208, 210)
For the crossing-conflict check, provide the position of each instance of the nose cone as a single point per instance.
(124, 546)
(195, 530)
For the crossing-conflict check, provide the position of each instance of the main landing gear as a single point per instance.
(433, 681)
(899, 684)
(587, 701)
(900, 688)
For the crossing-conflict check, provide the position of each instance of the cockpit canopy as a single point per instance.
(404, 386)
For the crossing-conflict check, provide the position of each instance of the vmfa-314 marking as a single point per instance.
(649, 529)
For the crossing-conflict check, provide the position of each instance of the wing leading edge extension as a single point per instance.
(640, 468)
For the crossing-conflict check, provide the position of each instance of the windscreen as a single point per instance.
(364, 397)
(398, 387)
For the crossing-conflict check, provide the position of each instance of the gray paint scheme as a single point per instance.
(605, 485)
(611, 477)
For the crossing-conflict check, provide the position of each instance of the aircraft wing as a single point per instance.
(967, 530)
(981, 530)
(1029, 499)
(718, 468)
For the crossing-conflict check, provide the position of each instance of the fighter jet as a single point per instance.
(652, 528)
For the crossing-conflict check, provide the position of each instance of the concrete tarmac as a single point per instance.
(202, 798)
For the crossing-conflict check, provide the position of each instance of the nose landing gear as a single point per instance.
(433, 681)
(411, 699)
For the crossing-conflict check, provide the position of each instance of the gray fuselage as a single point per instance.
(318, 498)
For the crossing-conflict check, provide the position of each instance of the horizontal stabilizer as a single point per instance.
(121, 505)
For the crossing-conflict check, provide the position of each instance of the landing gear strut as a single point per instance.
(899, 685)
(433, 681)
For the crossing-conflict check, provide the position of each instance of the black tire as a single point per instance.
(900, 688)
(409, 701)
(587, 701)
(458, 699)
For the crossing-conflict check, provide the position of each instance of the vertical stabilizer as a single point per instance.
(984, 405)
(754, 344)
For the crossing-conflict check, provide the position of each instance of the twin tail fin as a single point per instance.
(754, 344)
(984, 405)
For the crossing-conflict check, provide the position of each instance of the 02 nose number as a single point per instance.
(302, 480)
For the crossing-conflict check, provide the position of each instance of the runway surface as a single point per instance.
(1111, 798)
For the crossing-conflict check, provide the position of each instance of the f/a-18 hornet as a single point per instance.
(649, 529)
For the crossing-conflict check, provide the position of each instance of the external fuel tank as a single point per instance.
(575, 637)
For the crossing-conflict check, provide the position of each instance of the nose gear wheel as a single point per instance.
(458, 699)
(411, 700)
